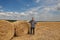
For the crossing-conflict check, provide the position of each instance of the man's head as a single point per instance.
(32, 18)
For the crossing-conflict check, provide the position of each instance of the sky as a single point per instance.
(41, 10)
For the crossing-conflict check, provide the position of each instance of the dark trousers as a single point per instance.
(32, 30)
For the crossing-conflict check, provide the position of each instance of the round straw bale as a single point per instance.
(6, 30)
(21, 28)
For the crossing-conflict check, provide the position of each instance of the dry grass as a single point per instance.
(44, 31)
(6, 30)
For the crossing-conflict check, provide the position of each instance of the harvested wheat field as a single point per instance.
(6, 30)
(43, 31)
(21, 28)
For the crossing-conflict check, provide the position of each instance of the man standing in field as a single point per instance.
(32, 22)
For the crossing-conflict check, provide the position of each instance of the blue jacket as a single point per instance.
(32, 22)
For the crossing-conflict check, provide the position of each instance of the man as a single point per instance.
(32, 22)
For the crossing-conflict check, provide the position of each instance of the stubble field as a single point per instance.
(43, 31)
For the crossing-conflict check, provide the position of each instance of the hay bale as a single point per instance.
(6, 30)
(21, 28)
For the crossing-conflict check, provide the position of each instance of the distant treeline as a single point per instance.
(11, 20)
(37, 21)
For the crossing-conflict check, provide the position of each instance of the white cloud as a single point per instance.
(37, 1)
(1, 7)
(23, 14)
(44, 14)
(47, 2)
(1, 10)
(2, 13)
(58, 6)
(41, 13)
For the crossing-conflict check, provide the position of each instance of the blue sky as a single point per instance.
(41, 10)
(17, 5)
